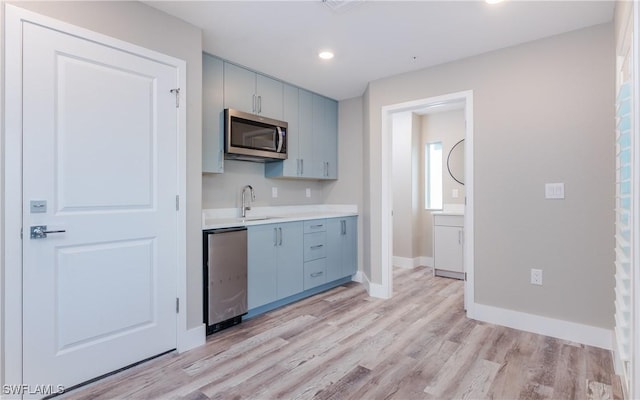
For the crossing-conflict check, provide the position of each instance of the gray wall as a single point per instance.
(402, 177)
(543, 112)
(224, 190)
(142, 25)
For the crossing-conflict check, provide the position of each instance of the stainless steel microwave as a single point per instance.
(253, 137)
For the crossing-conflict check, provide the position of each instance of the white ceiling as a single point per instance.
(371, 39)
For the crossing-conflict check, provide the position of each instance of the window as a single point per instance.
(433, 175)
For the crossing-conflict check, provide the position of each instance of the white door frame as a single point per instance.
(12, 207)
(386, 194)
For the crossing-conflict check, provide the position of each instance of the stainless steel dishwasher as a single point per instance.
(225, 277)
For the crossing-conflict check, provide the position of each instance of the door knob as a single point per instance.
(40, 231)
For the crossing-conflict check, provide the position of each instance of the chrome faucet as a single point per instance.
(251, 198)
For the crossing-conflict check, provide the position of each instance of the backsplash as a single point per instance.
(224, 190)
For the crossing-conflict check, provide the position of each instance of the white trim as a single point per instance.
(192, 338)
(14, 18)
(618, 365)
(386, 206)
(375, 289)
(557, 328)
(425, 261)
(12, 315)
(358, 277)
(634, 373)
(405, 262)
(386, 233)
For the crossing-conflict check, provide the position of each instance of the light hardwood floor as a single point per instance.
(342, 344)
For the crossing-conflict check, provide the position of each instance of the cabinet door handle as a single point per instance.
(316, 274)
(259, 104)
(344, 227)
(275, 237)
(254, 102)
(317, 226)
(460, 237)
(280, 229)
(318, 246)
(297, 166)
(302, 166)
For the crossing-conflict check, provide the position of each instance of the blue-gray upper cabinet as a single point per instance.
(251, 92)
(275, 262)
(212, 114)
(305, 141)
(313, 139)
(291, 166)
(325, 137)
(342, 247)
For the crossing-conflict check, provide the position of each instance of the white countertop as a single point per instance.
(230, 217)
(447, 213)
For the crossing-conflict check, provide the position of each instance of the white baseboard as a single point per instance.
(618, 366)
(425, 261)
(571, 331)
(405, 262)
(192, 338)
(374, 289)
(402, 262)
(357, 277)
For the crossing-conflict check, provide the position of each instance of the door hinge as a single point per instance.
(177, 305)
(177, 202)
(465, 276)
(177, 92)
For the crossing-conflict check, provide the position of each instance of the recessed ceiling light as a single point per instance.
(325, 55)
(493, 1)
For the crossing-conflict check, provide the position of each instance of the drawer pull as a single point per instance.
(316, 274)
(317, 246)
(317, 226)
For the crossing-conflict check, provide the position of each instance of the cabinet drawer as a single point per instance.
(314, 273)
(315, 225)
(315, 246)
(448, 220)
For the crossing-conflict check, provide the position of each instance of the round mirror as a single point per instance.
(455, 162)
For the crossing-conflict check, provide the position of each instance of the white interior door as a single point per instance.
(100, 164)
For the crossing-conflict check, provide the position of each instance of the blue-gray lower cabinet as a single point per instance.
(274, 262)
(342, 245)
(315, 253)
(293, 260)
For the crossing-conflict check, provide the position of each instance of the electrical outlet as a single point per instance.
(308, 192)
(536, 276)
(274, 192)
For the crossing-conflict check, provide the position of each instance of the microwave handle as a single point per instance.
(280, 139)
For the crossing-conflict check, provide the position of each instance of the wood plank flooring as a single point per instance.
(343, 344)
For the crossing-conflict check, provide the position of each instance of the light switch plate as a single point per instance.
(554, 191)
(308, 192)
(455, 193)
(274, 192)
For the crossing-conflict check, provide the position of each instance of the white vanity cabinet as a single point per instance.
(448, 239)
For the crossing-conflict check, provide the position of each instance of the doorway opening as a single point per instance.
(460, 100)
